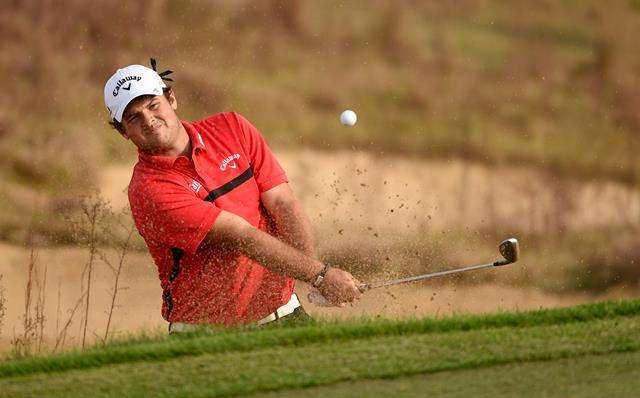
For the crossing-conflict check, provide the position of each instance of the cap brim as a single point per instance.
(132, 96)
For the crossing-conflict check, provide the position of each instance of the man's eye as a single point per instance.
(132, 118)
(153, 106)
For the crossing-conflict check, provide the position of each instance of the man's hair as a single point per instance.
(118, 125)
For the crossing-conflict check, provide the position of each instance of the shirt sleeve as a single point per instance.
(266, 169)
(167, 213)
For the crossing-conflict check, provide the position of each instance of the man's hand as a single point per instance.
(339, 287)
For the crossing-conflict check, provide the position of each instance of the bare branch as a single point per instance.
(3, 302)
(62, 335)
(116, 288)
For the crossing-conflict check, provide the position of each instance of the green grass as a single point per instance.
(274, 359)
(588, 376)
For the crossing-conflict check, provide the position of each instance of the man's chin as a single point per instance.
(157, 149)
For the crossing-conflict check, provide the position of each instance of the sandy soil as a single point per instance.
(138, 305)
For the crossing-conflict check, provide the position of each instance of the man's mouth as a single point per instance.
(155, 128)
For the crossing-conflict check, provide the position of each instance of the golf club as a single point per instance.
(509, 249)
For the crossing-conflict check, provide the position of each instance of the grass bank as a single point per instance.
(246, 361)
(584, 376)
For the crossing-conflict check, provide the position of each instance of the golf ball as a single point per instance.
(348, 118)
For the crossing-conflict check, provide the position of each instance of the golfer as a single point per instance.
(216, 211)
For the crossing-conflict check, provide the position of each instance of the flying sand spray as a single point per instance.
(509, 248)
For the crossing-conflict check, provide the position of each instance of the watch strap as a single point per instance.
(321, 276)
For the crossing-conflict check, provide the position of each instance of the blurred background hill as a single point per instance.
(552, 84)
(477, 119)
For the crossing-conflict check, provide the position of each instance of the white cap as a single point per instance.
(128, 83)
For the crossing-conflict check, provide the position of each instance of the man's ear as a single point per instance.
(119, 128)
(171, 97)
(122, 132)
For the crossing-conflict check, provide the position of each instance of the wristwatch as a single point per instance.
(321, 275)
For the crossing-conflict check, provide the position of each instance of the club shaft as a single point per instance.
(427, 276)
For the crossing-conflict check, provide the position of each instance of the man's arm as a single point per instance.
(292, 225)
(232, 232)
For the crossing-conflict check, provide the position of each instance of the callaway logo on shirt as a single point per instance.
(229, 161)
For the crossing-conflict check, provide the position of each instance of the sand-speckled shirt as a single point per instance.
(175, 202)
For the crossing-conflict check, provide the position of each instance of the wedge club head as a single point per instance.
(510, 250)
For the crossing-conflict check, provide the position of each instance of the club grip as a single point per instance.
(318, 299)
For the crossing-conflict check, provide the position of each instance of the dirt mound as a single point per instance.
(355, 192)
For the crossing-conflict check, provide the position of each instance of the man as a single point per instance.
(215, 209)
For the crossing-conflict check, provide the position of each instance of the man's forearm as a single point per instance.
(280, 257)
(293, 227)
(233, 232)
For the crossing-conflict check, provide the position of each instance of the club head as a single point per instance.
(510, 250)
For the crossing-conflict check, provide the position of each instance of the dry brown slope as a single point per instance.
(139, 305)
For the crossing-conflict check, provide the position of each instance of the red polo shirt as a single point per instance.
(175, 202)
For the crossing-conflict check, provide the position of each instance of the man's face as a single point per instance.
(151, 123)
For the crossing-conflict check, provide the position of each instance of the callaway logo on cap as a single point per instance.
(131, 82)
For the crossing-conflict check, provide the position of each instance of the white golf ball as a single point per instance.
(348, 118)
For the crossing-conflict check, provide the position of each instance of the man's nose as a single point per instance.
(147, 117)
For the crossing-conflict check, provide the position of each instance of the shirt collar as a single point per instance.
(166, 162)
(196, 139)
